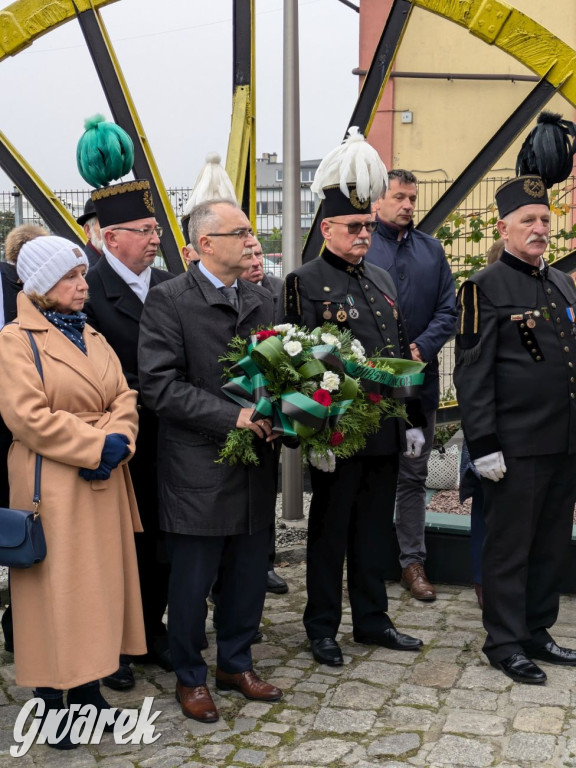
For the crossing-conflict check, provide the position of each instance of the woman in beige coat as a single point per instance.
(75, 612)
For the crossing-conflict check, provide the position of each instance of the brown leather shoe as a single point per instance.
(197, 703)
(414, 578)
(249, 684)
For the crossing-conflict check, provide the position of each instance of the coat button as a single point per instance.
(378, 313)
(538, 358)
(366, 286)
(566, 349)
(570, 365)
(562, 334)
(557, 319)
(571, 379)
(326, 289)
(402, 276)
(388, 340)
(522, 325)
(383, 326)
(553, 305)
(572, 395)
(548, 291)
(529, 342)
(372, 299)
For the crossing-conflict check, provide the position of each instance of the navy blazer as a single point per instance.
(426, 294)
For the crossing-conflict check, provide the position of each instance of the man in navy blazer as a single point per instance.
(427, 298)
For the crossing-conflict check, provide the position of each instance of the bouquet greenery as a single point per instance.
(308, 384)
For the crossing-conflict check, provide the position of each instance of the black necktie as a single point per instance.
(231, 294)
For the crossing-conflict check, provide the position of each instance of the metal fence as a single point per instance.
(468, 232)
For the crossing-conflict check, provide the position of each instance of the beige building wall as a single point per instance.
(453, 119)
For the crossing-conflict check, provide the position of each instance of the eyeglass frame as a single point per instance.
(237, 233)
(357, 226)
(146, 231)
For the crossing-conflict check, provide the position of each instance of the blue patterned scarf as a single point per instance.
(71, 325)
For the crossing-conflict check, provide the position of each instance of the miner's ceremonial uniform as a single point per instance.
(516, 384)
(352, 509)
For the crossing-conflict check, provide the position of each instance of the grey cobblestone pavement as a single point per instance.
(383, 709)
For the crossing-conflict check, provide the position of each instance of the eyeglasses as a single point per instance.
(146, 231)
(355, 227)
(241, 234)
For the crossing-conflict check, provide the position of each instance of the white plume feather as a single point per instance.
(353, 162)
(213, 183)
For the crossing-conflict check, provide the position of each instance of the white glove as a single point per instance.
(323, 462)
(414, 442)
(492, 466)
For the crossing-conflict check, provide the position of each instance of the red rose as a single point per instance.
(336, 438)
(374, 398)
(322, 396)
(369, 363)
(261, 335)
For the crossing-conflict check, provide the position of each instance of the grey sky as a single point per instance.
(176, 56)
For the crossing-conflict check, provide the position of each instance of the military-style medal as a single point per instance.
(341, 315)
(327, 315)
(353, 312)
(395, 313)
(531, 323)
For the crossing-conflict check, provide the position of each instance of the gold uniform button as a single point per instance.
(326, 289)
(392, 354)
(557, 319)
(553, 305)
(571, 379)
(562, 334)
(388, 340)
(566, 349)
(572, 395)
(548, 291)
(378, 313)
(384, 326)
(366, 286)
(529, 342)
(538, 358)
(522, 325)
(570, 365)
(372, 299)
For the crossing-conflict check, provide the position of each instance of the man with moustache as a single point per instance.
(515, 358)
(216, 516)
(353, 499)
(91, 226)
(118, 286)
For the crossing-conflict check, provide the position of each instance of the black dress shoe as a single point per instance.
(390, 638)
(160, 657)
(275, 583)
(519, 668)
(326, 651)
(553, 654)
(123, 678)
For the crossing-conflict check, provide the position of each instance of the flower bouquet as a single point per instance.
(308, 383)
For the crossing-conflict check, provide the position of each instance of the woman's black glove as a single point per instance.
(115, 449)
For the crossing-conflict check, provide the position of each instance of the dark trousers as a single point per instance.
(153, 562)
(241, 562)
(528, 529)
(350, 515)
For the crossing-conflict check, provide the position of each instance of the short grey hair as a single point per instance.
(404, 177)
(203, 217)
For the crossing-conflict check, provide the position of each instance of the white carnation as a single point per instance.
(329, 338)
(330, 381)
(357, 355)
(284, 328)
(292, 348)
(357, 347)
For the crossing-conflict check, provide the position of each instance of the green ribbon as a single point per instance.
(295, 414)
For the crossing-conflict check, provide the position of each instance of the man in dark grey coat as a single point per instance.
(216, 516)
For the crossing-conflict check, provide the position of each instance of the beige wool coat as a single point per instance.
(78, 610)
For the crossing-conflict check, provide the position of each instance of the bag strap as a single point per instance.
(38, 468)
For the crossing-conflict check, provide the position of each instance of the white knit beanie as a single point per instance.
(44, 261)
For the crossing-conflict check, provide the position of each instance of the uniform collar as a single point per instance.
(342, 264)
(523, 266)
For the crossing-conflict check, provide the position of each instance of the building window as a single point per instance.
(279, 175)
(307, 175)
(262, 208)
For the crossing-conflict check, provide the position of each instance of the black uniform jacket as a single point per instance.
(367, 295)
(515, 360)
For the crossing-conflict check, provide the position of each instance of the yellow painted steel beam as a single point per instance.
(516, 34)
(21, 171)
(23, 21)
(239, 140)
